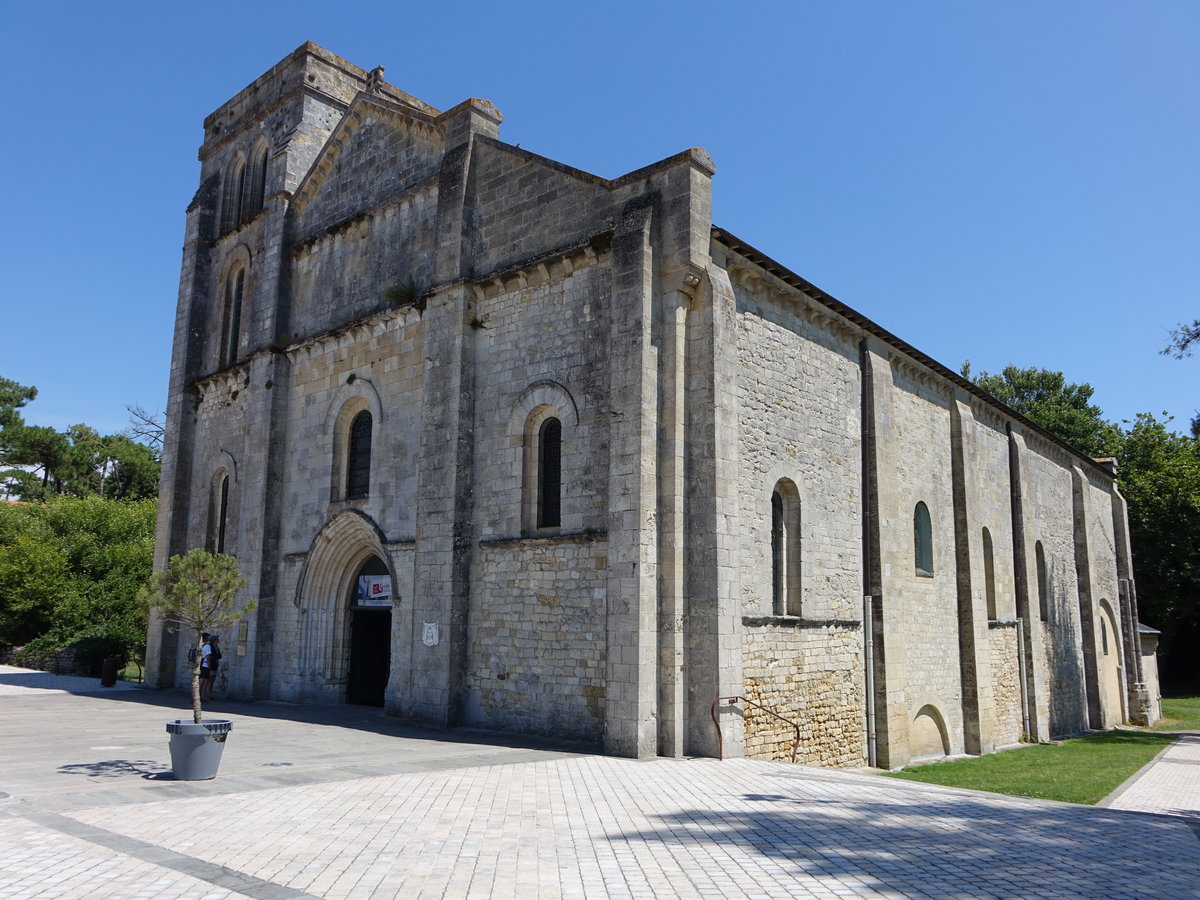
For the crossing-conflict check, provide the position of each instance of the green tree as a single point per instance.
(37, 462)
(70, 570)
(1184, 339)
(197, 592)
(1047, 399)
(1159, 473)
(12, 397)
(131, 470)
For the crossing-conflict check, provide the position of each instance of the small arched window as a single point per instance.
(235, 286)
(785, 550)
(218, 516)
(922, 540)
(1043, 586)
(549, 484)
(989, 576)
(358, 457)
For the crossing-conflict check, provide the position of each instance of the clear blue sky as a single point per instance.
(1006, 181)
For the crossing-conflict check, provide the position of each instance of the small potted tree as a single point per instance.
(196, 594)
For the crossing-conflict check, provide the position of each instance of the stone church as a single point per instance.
(501, 443)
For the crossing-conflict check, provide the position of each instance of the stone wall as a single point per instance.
(799, 396)
(537, 638)
(924, 669)
(811, 673)
(1049, 522)
(1006, 683)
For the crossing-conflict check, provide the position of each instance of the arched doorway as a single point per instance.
(369, 610)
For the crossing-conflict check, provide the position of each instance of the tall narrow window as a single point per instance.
(240, 197)
(1103, 634)
(218, 512)
(222, 514)
(785, 550)
(549, 487)
(922, 540)
(358, 457)
(778, 583)
(234, 287)
(989, 576)
(1043, 585)
(258, 186)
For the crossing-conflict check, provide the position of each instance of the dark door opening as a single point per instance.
(370, 635)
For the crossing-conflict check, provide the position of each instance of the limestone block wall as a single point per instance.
(799, 392)
(342, 274)
(380, 365)
(542, 341)
(524, 205)
(916, 467)
(536, 637)
(381, 156)
(1006, 683)
(1049, 522)
(811, 673)
(988, 481)
(1094, 514)
(224, 413)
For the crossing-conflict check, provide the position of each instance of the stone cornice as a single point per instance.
(752, 279)
(358, 223)
(544, 268)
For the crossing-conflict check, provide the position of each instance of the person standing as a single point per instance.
(210, 663)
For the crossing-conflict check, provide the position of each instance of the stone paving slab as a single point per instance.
(1170, 784)
(369, 807)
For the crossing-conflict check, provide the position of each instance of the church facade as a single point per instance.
(501, 443)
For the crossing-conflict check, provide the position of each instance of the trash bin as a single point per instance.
(108, 671)
(196, 749)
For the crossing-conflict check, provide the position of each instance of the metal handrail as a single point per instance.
(732, 700)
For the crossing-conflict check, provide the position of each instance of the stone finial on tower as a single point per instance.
(375, 80)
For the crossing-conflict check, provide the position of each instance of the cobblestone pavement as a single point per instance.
(344, 802)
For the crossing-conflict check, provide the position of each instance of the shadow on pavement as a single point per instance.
(176, 703)
(117, 768)
(964, 847)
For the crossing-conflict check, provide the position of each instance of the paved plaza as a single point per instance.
(345, 802)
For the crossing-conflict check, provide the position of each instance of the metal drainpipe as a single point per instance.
(1021, 676)
(869, 642)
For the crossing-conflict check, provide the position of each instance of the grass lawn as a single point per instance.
(1080, 770)
(1179, 713)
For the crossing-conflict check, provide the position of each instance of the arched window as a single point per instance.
(257, 186)
(1043, 586)
(235, 286)
(989, 576)
(358, 457)
(235, 196)
(922, 540)
(542, 470)
(785, 549)
(549, 483)
(218, 516)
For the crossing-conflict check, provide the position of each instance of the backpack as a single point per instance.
(193, 652)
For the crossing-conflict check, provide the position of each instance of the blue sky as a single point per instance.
(1005, 182)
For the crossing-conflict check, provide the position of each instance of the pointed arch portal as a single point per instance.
(346, 596)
